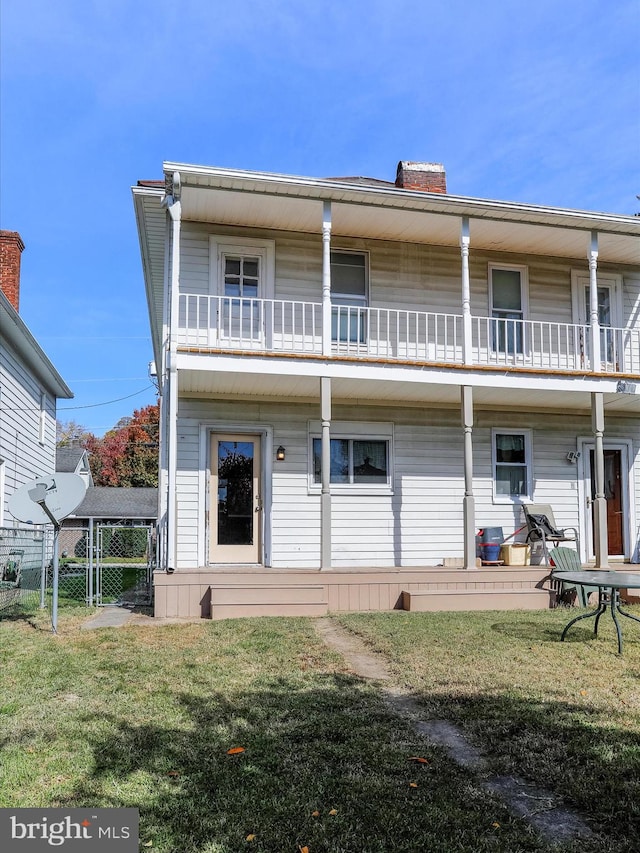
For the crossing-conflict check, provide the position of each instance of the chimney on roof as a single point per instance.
(427, 177)
(11, 247)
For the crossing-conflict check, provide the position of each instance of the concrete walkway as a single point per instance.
(112, 616)
(119, 615)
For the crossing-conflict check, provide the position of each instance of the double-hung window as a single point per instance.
(348, 296)
(508, 300)
(512, 474)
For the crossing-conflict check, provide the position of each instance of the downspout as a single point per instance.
(174, 209)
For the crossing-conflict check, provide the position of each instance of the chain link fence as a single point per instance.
(24, 553)
(97, 565)
(106, 564)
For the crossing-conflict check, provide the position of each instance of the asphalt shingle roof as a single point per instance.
(67, 459)
(118, 502)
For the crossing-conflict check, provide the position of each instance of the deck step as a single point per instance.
(229, 601)
(475, 599)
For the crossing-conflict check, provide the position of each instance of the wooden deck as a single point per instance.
(226, 592)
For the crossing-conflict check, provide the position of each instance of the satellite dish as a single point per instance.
(61, 493)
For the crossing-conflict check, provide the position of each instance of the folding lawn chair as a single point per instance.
(542, 528)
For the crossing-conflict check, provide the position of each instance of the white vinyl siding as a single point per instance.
(27, 425)
(421, 522)
(404, 276)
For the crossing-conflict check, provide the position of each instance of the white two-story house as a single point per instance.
(29, 388)
(356, 375)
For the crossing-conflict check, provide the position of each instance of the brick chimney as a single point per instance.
(11, 247)
(428, 177)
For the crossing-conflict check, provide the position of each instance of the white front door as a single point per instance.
(236, 503)
(608, 312)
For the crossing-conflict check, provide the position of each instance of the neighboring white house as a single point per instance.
(29, 388)
(356, 375)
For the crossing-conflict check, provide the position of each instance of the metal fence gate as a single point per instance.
(105, 564)
(99, 565)
(123, 564)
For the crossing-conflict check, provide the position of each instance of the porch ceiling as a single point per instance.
(289, 203)
(280, 387)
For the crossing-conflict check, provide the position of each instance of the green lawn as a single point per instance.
(564, 715)
(144, 717)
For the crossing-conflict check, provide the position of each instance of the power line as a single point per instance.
(72, 408)
(108, 403)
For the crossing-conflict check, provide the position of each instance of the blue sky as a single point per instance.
(533, 102)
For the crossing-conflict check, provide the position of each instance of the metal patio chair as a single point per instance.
(541, 526)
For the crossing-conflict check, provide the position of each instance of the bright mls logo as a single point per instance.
(34, 830)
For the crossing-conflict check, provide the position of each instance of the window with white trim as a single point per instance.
(349, 291)
(512, 464)
(242, 271)
(361, 458)
(508, 298)
(242, 266)
(610, 310)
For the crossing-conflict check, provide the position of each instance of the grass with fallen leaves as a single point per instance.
(251, 735)
(563, 715)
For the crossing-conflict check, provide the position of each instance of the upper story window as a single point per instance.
(241, 275)
(512, 474)
(610, 311)
(243, 271)
(242, 266)
(349, 290)
(508, 297)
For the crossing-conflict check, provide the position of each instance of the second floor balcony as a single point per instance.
(240, 325)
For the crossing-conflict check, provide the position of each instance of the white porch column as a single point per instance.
(594, 317)
(325, 500)
(175, 212)
(326, 278)
(468, 506)
(600, 533)
(467, 341)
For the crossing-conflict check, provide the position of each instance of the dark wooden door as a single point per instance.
(613, 495)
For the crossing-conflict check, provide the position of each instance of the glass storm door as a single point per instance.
(235, 499)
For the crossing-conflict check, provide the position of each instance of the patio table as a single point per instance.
(609, 584)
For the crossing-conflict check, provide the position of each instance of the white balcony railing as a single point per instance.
(285, 326)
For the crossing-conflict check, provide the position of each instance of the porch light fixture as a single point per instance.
(280, 454)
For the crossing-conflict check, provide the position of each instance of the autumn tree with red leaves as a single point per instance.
(127, 455)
